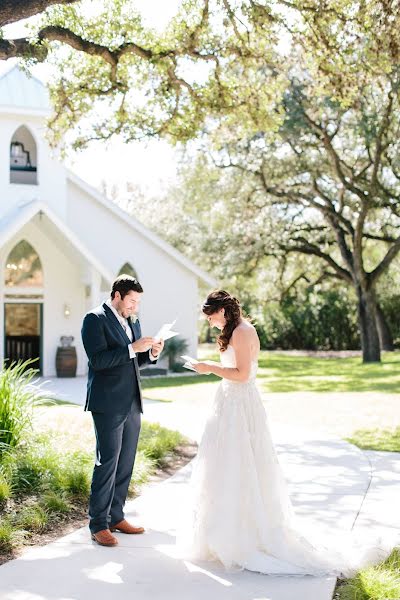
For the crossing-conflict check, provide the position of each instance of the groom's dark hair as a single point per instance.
(124, 284)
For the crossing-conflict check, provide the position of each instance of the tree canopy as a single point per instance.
(113, 75)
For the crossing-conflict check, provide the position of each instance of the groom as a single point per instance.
(116, 349)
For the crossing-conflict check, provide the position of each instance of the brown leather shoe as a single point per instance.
(125, 527)
(104, 538)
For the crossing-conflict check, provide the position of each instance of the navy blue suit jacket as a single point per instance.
(113, 377)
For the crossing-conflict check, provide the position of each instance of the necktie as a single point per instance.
(127, 329)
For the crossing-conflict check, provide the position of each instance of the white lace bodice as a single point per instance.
(228, 359)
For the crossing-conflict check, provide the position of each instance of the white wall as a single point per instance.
(62, 285)
(170, 290)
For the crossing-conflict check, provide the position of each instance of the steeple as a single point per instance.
(29, 168)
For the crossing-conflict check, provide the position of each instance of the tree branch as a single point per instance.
(380, 147)
(314, 250)
(66, 36)
(12, 11)
(337, 162)
(385, 262)
(331, 209)
(22, 47)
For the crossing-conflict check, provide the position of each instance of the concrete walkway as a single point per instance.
(331, 483)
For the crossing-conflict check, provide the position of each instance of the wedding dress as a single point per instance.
(240, 511)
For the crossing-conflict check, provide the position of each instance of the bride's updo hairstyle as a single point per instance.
(233, 313)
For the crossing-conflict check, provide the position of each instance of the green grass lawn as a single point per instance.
(376, 439)
(286, 373)
(381, 582)
(176, 381)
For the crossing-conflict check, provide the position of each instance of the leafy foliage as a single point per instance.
(112, 74)
(18, 397)
(157, 442)
(173, 348)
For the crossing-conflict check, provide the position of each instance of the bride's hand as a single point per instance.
(202, 368)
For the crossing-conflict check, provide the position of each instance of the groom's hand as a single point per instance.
(143, 344)
(157, 348)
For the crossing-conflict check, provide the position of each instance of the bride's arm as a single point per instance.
(241, 342)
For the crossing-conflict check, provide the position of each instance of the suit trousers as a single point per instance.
(116, 443)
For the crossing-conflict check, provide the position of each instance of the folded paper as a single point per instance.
(165, 332)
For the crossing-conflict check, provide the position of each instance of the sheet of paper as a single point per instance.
(189, 359)
(189, 366)
(189, 362)
(165, 332)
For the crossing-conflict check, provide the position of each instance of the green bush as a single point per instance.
(37, 468)
(5, 488)
(55, 503)
(156, 441)
(10, 536)
(76, 475)
(32, 518)
(18, 397)
(77, 483)
(174, 347)
(391, 306)
(313, 320)
(34, 468)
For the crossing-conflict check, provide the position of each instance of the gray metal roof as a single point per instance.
(19, 90)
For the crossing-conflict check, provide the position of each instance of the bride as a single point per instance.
(240, 512)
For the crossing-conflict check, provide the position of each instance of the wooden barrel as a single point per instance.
(66, 361)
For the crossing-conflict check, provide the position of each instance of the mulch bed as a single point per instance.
(77, 518)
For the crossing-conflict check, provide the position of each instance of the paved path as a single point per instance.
(331, 482)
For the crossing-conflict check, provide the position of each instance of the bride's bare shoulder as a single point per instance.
(244, 329)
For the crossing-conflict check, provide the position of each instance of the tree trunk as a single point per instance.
(371, 351)
(385, 335)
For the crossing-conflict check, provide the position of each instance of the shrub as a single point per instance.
(10, 537)
(5, 488)
(34, 468)
(77, 483)
(32, 518)
(76, 475)
(55, 503)
(173, 348)
(156, 441)
(313, 320)
(18, 396)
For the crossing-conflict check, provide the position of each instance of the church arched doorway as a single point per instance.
(23, 305)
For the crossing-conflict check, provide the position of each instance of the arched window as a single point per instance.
(23, 157)
(127, 269)
(23, 267)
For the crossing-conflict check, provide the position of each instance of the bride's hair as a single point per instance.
(233, 313)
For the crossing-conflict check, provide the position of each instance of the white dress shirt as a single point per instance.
(125, 326)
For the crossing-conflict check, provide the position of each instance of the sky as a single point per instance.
(149, 164)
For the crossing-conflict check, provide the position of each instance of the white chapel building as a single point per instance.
(62, 243)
